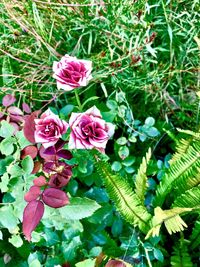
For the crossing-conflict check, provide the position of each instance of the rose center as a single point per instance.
(49, 129)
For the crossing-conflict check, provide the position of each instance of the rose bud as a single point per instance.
(71, 72)
(49, 128)
(89, 130)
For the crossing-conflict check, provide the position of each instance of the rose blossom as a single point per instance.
(49, 128)
(89, 130)
(71, 72)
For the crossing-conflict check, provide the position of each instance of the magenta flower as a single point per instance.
(89, 130)
(49, 128)
(71, 72)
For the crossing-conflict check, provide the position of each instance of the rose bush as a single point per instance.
(49, 128)
(71, 72)
(89, 130)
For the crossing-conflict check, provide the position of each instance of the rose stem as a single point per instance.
(78, 99)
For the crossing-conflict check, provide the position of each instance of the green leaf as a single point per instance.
(121, 141)
(86, 263)
(128, 161)
(27, 164)
(4, 163)
(116, 166)
(94, 252)
(6, 146)
(4, 183)
(112, 104)
(69, 249)
(16, 241)
(6, 129)
(1, 236)
(123, 152)
(79, 208)
(92, 98)
(152, 132)
(66, 110)
(15, 170)
(150, 121)
(22, 141)
(7, 73)
(158, 254)
(35, 263)
(7, 218)
(117, 227)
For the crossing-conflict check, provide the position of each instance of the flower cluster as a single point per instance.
(87, 131)
(50, 153)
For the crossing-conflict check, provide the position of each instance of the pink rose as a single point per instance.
(89, 130)
(49, 128)
(71, 72)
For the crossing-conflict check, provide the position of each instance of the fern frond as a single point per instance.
(185, 183)
(181, 256)
(141, 177)
(170, 218)
(191, 133)
(190, 199)
(195, 236)
(126, 201)
(181, 149)
(183, 174)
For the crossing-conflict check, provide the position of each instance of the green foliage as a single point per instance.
(181, 256)
(79, 208)
(170, 218)
(183, 174)
(141, 178)
(127, 202)
(195, 236)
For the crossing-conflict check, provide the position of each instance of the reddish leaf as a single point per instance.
(36, 167)
(55, 198)
(46, 156)
(16, 118)
(32, 194)
(8, 100)
(29, 150)
(1, 115)
(115, 263)
(50, 151)
(15, 111)
(60, 144)
(32, 215)
(29, 126)
(26, 108)
(58, 180)
(65, 154)
(40, 181)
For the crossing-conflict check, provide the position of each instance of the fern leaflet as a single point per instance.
(126, 201)
(141, 177)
